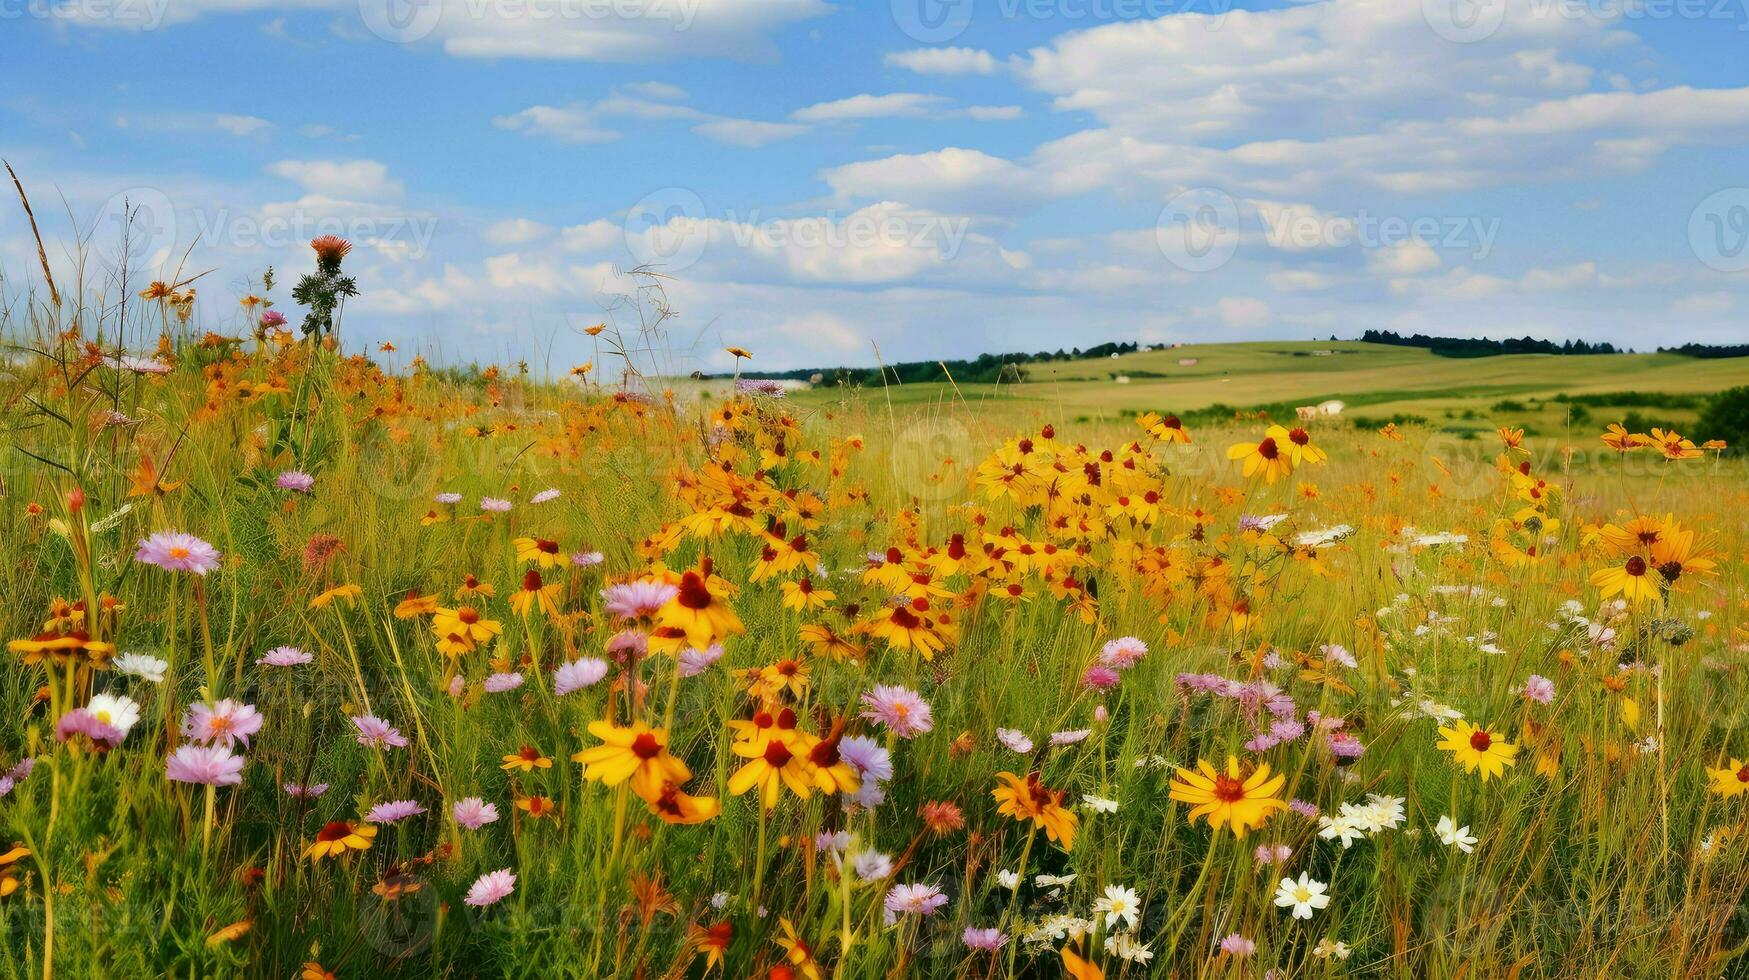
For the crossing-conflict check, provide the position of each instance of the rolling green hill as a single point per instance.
(1377, 382)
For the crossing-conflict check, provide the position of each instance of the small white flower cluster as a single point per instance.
(1354, 821)
(1323, 537)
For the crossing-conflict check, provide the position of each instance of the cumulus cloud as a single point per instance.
(870, 107)
(944, 61)
(361, 180)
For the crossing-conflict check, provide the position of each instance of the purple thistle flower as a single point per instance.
(284, 657)
(501, 682)
(986, 939)
(296, 481)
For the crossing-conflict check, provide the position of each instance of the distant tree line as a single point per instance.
(1483, 347)
(1708, 350)
(984, 369)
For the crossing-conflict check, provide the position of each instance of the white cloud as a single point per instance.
(1299, 280)
(749, 133)
(944, 61)
(516, 231)
(242, 125)
(986, 113)
(1409, 257)
(952, 178)
(574, 124)
(871, 107)
(823, 332)
(589, 30)
(363, 180)
(1704, 304)
(662, 91)
(1242, 312)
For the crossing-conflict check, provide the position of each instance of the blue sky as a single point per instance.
(939, 177)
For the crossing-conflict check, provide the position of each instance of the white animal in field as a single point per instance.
(1306, 412)
(1331, 408)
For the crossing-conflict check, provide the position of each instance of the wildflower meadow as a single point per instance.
(329, 662)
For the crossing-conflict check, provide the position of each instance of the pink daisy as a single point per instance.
(474, 813)
(377, 733)
(209, 765)
(636, 600)
(578, 674)
(491, 888)
(694, 662)
(81, 722)
(178, 552)
(223, 722)
(1123, 653)
(1014, 741)
(914, 900)
(393, 811)
(902, 710)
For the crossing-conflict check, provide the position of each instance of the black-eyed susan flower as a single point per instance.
(699, 612)
(535, 595)
(635, 752)
(526, 759)
(1477, 749)
(1732, 780)
(339, 837)
(1632, 579)
(1269, 458)
(1231, 797)
(771, 765)
(674, 806)
(1028, 800)
(544, 552)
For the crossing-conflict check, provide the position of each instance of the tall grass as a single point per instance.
(1601, 851)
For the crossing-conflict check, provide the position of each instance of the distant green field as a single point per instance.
(1378, 383)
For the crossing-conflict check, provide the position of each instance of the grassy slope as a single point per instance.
(1377, 381)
